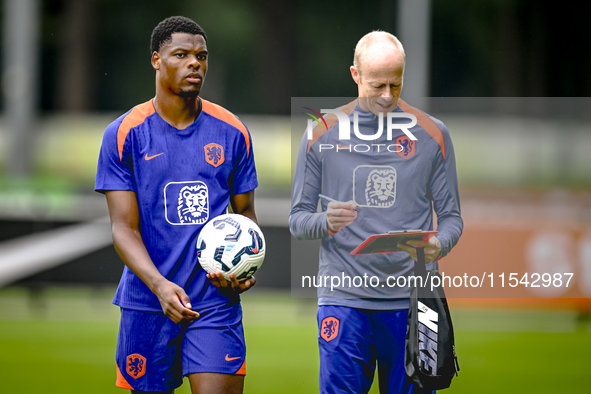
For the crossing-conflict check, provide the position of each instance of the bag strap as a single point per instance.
(420, 265)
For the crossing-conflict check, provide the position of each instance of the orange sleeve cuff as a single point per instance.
(330, 232)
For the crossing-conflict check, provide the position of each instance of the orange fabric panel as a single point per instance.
(121, 382)
(242, 370)
(330, 119)
(225, 115)
(138, 114)
(426, 123)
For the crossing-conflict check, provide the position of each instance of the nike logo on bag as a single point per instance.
(231, 358)
(151, 157)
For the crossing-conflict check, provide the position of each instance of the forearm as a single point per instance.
(250, 214)
(243, 204)
(130, 247)
(446, 199)
(306, 225)
(449, 231)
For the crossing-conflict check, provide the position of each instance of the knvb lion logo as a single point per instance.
(329, 329)
(136, 365)
(214, 154)
(409, 147)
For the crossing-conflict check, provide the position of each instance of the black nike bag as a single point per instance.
(430, 356)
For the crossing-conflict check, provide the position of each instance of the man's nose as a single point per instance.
(194, 62)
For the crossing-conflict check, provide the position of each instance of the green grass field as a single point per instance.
(64, 341)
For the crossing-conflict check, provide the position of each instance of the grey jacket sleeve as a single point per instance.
(304, 220)
(443, 188)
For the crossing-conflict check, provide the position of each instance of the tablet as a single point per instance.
(386, 243)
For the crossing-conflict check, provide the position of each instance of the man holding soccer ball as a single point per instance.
(374, 191)
(167, 167)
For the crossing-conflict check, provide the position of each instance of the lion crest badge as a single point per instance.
(136, 365)
(329, 328)
(214, 154)
(406, 147)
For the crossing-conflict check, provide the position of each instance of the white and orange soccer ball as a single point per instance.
(231, 243)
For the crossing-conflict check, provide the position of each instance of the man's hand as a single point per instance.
(432, 249)
(231, 286)
(340, 214)
(175, 302)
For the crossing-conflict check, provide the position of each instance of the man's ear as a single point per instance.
(354, 74)
(156, 60)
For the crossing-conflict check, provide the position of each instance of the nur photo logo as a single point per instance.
(345, 124)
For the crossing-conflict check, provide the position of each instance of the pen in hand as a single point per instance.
(332, 199)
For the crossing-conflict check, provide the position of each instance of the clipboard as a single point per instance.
(386, 243)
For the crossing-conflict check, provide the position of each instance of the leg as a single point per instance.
(148, 352)
(347, 351)
(390, 329)
(216, 383)
(214, 351)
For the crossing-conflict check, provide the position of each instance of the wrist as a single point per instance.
(156, 284)
(330, 227)
(330, 232)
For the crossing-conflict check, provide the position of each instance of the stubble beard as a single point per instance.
(189, 94)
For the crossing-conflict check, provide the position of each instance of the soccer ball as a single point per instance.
(231, 243)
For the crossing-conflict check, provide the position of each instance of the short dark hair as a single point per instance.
(162, 33)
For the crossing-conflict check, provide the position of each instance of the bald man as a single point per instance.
(379, 184)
